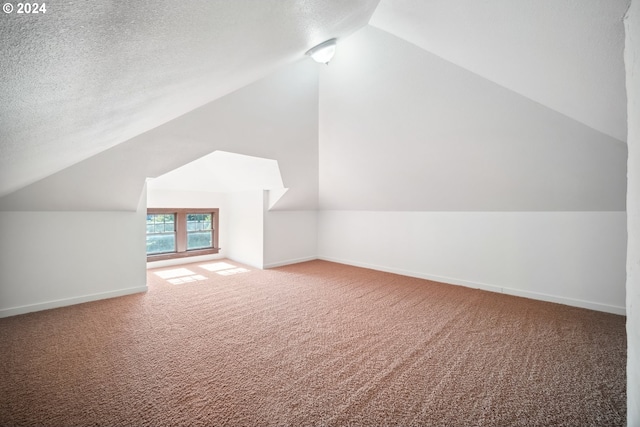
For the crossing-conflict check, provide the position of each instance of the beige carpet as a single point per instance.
(315, 343)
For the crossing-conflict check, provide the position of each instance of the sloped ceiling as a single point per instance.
(402, 129)
(223, 171)
(564, 54)
(275, 117)
(86, 76)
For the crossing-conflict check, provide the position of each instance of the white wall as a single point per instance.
(574, 258)
(632, 62)
(185, 199)
(248, 232)
(245, 226)
(430, 170)
(289, 237)
(402, 129)
(566, 55)
(275, 118)
(53, 259)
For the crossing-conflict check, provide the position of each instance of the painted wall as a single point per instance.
(574, 258)
(430, 170)
(245, 227)
(53, 259)
(249, 232)
(289, 237)
(402, 129)
(632, 63)
(566, 55)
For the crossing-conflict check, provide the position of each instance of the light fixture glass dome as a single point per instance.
(323, 53)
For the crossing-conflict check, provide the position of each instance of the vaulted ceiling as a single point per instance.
(86, 76)
(564, 54)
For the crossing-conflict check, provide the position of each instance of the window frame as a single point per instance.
(181, 232)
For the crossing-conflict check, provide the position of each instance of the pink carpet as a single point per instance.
(315, 343)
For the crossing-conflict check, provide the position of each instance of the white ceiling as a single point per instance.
(86, 76)
(222, 172)
(564, 54)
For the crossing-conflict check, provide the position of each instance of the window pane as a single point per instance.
(161, 243)
(160, 223)
(161, 236)
(198, 222)
(199, 240)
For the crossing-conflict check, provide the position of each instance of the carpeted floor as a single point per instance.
(315, 343)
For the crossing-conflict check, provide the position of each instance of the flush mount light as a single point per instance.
(323, 52)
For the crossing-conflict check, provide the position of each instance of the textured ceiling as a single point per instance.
(86, 76)
(89, 75)
(564, 54)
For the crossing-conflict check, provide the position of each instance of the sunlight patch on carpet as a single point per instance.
(176, 272)
(224, 268)
(186, 279)
(232, 271)
(178, 276)
(217, 266)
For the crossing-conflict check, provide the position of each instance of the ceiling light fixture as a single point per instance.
(323, 52)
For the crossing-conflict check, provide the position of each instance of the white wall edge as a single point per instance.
(14, 311)
(289, 262)
(487, 287)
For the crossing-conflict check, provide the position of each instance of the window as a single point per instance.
(199, 231)
(161, 233)
(175, 233)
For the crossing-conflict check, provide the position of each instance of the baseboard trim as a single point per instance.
(289, 262)
(14, 311)
(487, 287)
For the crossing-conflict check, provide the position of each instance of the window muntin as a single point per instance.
(199, 231)
(161, 233)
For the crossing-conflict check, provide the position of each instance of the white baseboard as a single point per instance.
(487, 287)
(289, 261)
(14, 311)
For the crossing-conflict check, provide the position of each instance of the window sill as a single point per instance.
(177, 255)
